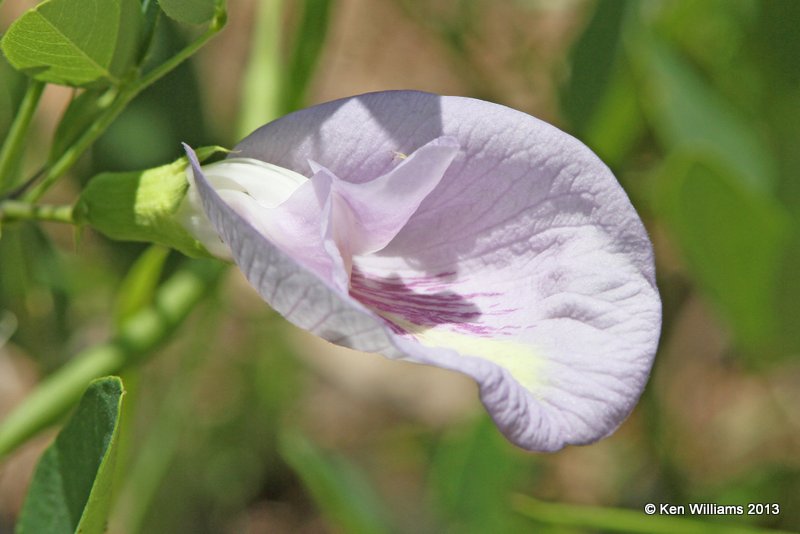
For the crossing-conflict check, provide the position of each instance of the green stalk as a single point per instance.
(214, 27)
(13, 210)
(135, 339)
(126, 94)
(11, 152)
(261, 87)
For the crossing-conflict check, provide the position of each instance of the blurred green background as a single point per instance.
(245, 424)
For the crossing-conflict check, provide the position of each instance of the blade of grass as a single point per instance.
(307, 45)
(263, 77)
(341, 492)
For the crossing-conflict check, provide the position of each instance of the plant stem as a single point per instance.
(136, 338)
(260, 98)
(14, 210)
(11, 152)
(126, 94)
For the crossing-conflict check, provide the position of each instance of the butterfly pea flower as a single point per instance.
(452, 232)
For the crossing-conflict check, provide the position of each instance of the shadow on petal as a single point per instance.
(358, 138)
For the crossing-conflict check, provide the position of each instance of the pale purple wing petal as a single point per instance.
(381, 207)
(294, 226)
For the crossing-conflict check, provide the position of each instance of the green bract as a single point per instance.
(141, 205)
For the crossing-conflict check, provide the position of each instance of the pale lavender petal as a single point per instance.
(328, 220)
(372, 213)
(294, 226)
(526, 267)
(293, 289)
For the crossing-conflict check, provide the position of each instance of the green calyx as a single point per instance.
(142, 205)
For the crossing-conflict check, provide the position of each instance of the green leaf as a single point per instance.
(340, 490)
(189, 11)
(70, 491)
(731, 237)
(592, 61)
(12, 89)
(75, 42)
(687, 113)
(151, 14)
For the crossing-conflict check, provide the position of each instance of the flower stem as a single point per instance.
(71, 155)
(14, 210)
(134, 340)
(11, 152)
(126, 94)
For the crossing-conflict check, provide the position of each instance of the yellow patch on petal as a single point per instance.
(520, 360)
